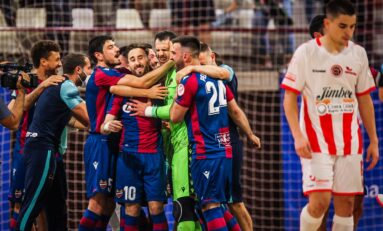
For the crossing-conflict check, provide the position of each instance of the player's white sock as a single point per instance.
(343, 223)
(308, 222)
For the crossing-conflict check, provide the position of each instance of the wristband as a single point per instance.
(149, 111)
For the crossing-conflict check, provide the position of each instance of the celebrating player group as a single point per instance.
(163, 122)
(158, 124)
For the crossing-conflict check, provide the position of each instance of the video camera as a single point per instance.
(11, 72)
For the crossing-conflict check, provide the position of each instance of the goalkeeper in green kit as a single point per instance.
(183, 198)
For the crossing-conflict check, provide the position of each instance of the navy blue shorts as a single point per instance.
(140, 178)
(99, 164)
(236, 190)
(212, 180)
(45, 188)
(18, 177)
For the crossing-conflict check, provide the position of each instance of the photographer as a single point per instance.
(10, 118)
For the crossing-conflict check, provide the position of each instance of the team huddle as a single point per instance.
(158, 124)
(164, 121)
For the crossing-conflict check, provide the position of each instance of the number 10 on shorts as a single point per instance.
(130, 193)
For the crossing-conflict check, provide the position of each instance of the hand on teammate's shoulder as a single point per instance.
(53, 80)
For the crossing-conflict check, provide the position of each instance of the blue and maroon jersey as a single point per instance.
(139, 134)
(24, 124)
(207, 118)
(97, 94)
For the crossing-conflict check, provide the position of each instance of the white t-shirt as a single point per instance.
(329, 84)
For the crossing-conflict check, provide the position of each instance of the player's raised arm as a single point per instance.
(155, 92)
(210, 70)
(147, 80)
(209, 67)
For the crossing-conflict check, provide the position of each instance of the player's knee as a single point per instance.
(183, 209)
(156, 207)
(98, 203)
(344, 206)
(318, 208)
(133, 210)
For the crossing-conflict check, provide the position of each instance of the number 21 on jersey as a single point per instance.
(217, 95)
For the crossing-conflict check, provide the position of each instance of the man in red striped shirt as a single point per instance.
(333, 75)
(316, 30)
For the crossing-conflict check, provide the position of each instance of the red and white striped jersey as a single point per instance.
(329, 84)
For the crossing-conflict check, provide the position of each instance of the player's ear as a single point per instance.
(78, 70)
(98, 56)
(326, 22)
(212, 55)
(43, 62)
(185, 56)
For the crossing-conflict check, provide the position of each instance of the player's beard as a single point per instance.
(146, 69)
(180, 65)
(112, 65)
(51, 72)
(114, 62)
(163, 59)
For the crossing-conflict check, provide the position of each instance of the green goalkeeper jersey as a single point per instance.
(179, 135)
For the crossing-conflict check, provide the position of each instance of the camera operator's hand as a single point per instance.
(52, 80)
(22, 76)
(12, 121)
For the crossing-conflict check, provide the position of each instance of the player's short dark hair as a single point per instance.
(190, 42)
(143, 46)
(165, 35)
(204, 47)
(71, 61)
(146, 45)
(218, 59)
(42, 49)
(96, 44)
(316, 25)
(123, 51)
(336, 7)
